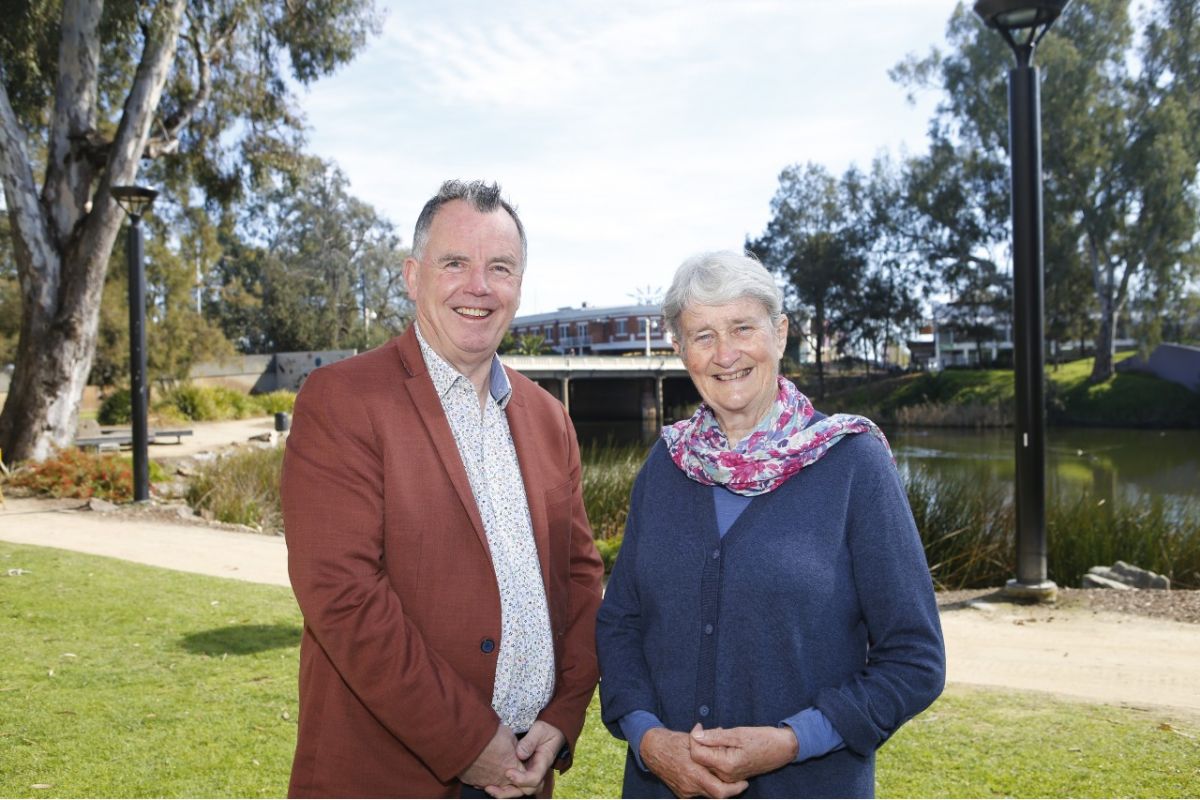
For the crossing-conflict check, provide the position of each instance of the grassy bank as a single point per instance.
(120, 680)
(985, 398)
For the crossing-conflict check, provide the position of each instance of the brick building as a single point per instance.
(598, 331)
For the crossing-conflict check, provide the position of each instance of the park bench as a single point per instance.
(91, 436)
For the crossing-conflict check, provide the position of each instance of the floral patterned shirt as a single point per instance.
(525, 657)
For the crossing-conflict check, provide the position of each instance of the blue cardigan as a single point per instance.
(818, 596)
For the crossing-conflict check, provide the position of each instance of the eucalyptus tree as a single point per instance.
(89, 91)
(1120, 118)
(319, 268)
(816, 243)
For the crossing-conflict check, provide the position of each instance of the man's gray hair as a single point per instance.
(485, 197)
(716, 279)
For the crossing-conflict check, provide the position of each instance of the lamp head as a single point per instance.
(1018, 15)
(135, 200)
(1015, 17)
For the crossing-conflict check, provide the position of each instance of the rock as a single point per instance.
(103, 506)
(1095, 580)
(1140, 578)
(1126, 576)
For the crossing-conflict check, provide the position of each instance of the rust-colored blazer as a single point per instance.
(389, 562)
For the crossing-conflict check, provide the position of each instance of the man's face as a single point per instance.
(467, 284)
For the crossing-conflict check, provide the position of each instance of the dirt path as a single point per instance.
(1113, 658)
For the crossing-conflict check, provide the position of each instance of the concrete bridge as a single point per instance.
(611, 387)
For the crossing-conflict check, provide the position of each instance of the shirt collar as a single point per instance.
(444, 375)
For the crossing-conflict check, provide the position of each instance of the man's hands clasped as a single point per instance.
(511, 768)
(716, 762)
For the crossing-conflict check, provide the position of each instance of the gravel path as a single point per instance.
(1177, 605)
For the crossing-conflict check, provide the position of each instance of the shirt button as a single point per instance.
(708, 628)
(487, 645)
(717, 553)
(704, 711)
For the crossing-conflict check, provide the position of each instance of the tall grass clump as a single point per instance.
(608, 474)
(969, 534)
(1087, 532)
(964, 528)
(241, 488)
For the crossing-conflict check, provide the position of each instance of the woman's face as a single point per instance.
(732, 354)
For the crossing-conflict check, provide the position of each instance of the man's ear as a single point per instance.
(411, 267)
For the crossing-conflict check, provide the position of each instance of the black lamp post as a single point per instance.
(136, 201)
(1023, 23)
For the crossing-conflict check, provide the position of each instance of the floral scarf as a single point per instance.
(778, 448)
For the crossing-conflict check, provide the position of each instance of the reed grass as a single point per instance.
(969, 534)
(242, 488)
(608, 474)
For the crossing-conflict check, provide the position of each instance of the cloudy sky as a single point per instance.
(629, 133)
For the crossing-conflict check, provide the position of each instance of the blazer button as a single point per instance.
(487, 645)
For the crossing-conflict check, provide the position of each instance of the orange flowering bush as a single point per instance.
(76, 473)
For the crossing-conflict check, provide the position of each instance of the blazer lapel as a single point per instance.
(521, 427)
(429, 406)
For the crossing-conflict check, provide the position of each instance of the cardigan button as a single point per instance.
(708, 628)
(704, 711)
(717, 553)
(487, 645)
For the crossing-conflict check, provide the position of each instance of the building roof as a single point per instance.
(587, 313)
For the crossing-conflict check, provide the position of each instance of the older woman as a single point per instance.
(770, 620)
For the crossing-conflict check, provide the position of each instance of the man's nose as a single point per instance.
(477, 280)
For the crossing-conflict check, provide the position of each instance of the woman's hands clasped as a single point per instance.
(716, 762)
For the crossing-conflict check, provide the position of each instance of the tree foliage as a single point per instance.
(1120, 116)
(196, 89)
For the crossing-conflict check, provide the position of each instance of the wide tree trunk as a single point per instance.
(1102, 368)
(63, 236)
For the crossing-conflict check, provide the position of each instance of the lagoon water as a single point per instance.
(1115, 465)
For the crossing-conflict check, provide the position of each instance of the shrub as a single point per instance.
(208, 403)
(116, 409)
(274, 402)
(608, 550)
(241, 488)
(77, 473)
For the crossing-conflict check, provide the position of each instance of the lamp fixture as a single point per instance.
(134, 199)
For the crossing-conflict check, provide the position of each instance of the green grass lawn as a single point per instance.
(120, 680)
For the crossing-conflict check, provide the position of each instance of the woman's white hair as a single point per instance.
(716, 279)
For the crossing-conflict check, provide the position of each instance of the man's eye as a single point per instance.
(455, 265)
(503, 269)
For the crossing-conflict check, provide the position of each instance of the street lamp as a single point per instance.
(1023, 23)
(136, 201)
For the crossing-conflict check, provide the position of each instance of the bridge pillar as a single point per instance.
(566, 393)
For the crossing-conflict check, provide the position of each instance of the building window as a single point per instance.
(621, 326)
(564, 331)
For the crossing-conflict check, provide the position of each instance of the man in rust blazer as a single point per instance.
(437, 542)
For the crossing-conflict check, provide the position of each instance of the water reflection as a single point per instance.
(1118, 466)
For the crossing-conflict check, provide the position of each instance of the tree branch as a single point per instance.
(37, 260)
(90, 248)
(168, 140)
(68, 172)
